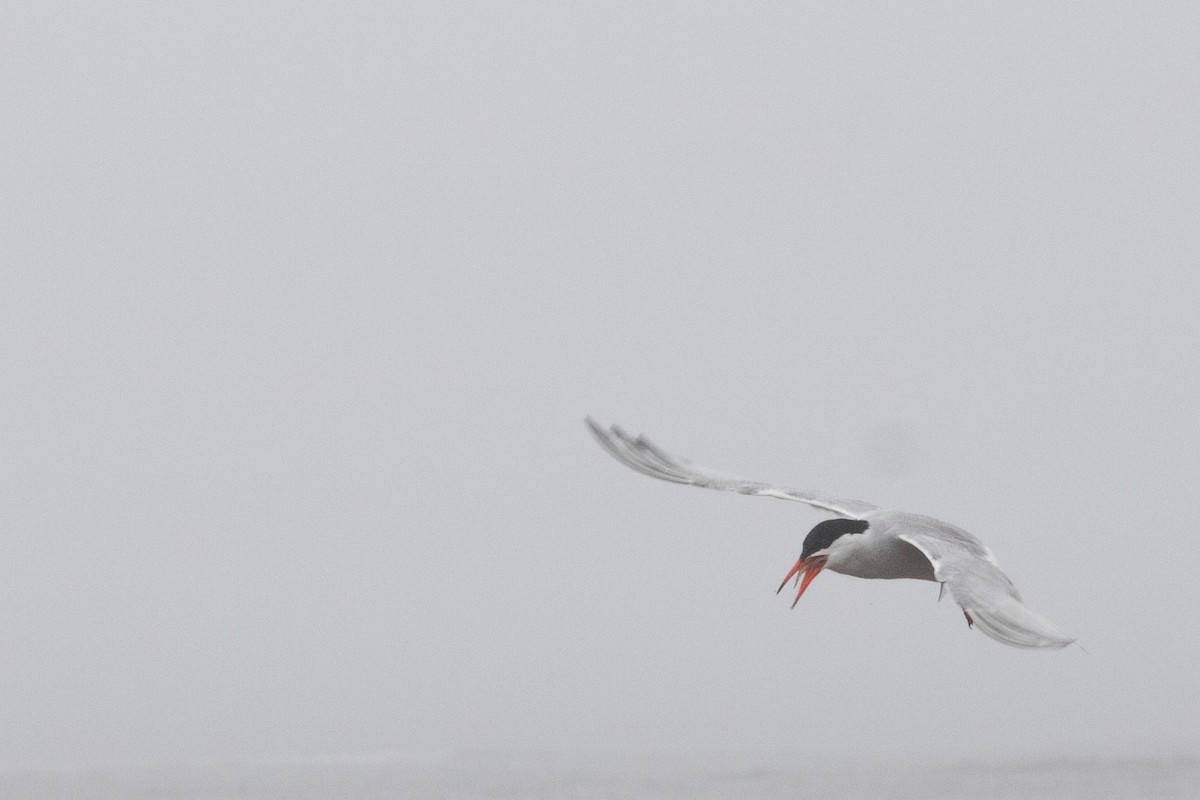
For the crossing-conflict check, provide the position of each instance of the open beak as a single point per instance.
(809, 568)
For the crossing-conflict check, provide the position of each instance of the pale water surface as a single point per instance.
(493, 776)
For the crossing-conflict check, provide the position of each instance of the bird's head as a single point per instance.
(815, 552)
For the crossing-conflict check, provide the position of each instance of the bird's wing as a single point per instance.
(966, 568)
(640, 454)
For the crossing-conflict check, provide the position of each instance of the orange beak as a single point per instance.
(808, 567)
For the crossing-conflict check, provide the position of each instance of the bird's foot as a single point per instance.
(970, 622)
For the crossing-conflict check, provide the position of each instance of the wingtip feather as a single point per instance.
(1018, 626)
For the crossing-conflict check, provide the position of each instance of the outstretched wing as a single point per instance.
(638, 453)
(967, 569)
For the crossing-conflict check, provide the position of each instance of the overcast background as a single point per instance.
(302, 307)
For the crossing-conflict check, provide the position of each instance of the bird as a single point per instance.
(865, 541)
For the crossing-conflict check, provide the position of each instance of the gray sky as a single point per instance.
(301, 310)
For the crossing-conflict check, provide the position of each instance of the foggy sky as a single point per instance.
(301, 310)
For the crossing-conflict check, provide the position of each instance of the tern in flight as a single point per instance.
(866, 541)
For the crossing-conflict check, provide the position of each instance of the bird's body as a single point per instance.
(878, 552)
(865, 541)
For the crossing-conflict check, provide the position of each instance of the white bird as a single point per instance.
(868, 542)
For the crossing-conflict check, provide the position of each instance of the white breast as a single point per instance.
(873, 554)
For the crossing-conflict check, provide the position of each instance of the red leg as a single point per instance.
(970, 622)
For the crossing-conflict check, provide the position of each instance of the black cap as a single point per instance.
(826, 532)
